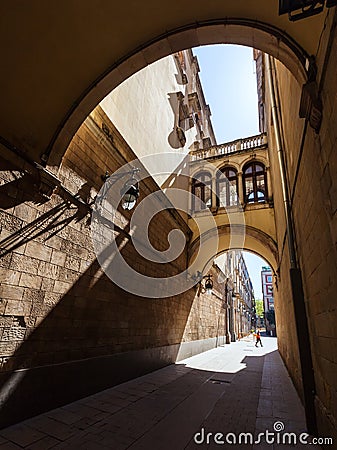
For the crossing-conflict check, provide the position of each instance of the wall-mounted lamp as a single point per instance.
(130, 190)
(203, 289)
(208, 285)
(130, 193)
(207, 288)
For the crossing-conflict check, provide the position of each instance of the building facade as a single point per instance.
(268, 300)
(239, 295)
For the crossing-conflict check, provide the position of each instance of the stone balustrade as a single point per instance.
(228, 148)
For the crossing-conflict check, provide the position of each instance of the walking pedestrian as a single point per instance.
(258, 338)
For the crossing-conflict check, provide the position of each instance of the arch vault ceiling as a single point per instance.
(54, 53)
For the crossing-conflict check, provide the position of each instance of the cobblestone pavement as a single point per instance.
(230, 390)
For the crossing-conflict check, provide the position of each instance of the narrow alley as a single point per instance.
(229, 390)
(134, 205)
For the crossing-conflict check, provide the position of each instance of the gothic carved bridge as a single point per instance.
(232, 206)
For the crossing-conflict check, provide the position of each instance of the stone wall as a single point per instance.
(312, 165)
(66, 329)
(284, 308)
(207, 311)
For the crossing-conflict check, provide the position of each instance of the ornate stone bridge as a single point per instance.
(233, 201)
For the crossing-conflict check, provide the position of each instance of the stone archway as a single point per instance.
(229, 237)
(259, 35)
(50, 85)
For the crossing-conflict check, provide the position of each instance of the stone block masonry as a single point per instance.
(311, 167)
(64, 324)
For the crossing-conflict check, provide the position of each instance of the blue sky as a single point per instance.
(227, 74)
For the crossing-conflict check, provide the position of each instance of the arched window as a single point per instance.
(202, 191)
(227, 187)
(255, 183)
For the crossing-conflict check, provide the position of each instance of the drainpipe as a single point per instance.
(301, 319)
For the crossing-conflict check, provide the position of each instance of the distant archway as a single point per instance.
(230, 237)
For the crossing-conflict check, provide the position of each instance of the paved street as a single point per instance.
(229, 390)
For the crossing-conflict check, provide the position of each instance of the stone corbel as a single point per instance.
(181, 136)
(47, 181)
(311, 105)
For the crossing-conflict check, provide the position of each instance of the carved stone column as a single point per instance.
(240, 189)
(214, 193)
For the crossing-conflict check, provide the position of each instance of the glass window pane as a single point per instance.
(254, 178)
(261, 188)
(203, 177)
(250, 198)
(260, 180)
(208, 197)
(223, 194)
(249, 186)
(260, 196)
(201, 188)
(228, 193)
(233, 193)
(197, 199)
(197, 191)
(206, 177)
(222, 177)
